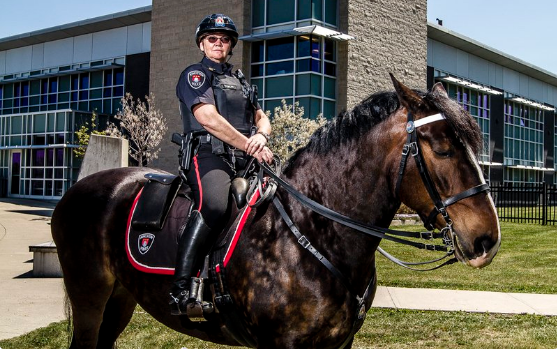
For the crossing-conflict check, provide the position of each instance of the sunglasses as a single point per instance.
(214, 39)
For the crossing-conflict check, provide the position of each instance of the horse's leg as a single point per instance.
(117, 314)
(88, 299)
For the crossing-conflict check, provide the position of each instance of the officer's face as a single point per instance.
(216, 46)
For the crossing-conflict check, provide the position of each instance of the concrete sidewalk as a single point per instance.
(28, 303)
(471, 301)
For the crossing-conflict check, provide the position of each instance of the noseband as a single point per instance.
(412, 146)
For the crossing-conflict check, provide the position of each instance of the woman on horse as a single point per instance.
(220, 112)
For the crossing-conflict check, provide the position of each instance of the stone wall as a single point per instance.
(104, 153)
(391, 37)
(173, 49)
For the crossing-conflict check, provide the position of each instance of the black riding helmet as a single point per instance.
(217, 23)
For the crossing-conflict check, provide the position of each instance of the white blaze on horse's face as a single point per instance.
(481, 258)
(486, 258)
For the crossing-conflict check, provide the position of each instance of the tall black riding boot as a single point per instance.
(192, 248)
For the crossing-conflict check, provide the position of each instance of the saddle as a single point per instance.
(158, 216)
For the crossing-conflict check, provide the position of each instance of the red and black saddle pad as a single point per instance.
(154, 251)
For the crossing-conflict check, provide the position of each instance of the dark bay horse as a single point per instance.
(286, 298)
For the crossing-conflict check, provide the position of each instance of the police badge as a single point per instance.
(196, 78)
(144, 242)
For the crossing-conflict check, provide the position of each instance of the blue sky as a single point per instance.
(523, 29)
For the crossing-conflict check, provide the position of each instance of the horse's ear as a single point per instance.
(439, 89)
(407, 97)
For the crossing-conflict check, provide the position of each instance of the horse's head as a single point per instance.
(443, 182)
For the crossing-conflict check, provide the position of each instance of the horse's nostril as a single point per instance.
(484, 244)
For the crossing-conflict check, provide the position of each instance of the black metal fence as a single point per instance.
(526, 203)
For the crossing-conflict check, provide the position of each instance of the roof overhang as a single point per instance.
(112, 21)
(448, 37)
(307, 30)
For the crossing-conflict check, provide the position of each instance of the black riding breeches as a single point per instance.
(209, 177)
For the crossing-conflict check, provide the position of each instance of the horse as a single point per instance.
(285, 296)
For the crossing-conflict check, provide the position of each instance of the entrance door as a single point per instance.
(15, 169)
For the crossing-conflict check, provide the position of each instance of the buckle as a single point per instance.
(426, 235)
(304, 241)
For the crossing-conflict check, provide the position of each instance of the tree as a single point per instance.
(83, 135)
(291, 130)
(143, 125)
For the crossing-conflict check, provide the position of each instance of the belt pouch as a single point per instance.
(154, 203)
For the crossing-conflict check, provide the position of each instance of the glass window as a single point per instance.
(258, 15)
(308, 46)
(329, 88)
(280, 49)
(310, 9)
(257, 51)
(270, 105)
(285, 67)
(312, 106)
(64, 97)
(331, 12)
(329, 109)
(257, 70)
(16, 125)
(38, 157)
(64, 83)
(329, 51)
(96, 79)
(39, 121)
(118, 76)
(25, 89)
(8, 91)
(108, 78)
(96, 93)
(278, 87)
(75, 82)
(84, 81)
(60, 122)
(53, 85)
(280, 11)
(308, 84)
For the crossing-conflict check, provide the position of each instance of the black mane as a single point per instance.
(351, 125)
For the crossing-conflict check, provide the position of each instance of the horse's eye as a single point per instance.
(446, 153)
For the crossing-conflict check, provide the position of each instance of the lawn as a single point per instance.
(384, 328)
(527, 262)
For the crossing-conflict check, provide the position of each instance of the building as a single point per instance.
(325, 55)
(50, 82)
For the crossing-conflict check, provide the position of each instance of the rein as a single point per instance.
(446, 234)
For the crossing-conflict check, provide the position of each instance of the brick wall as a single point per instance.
(173, 49)
(391, 37)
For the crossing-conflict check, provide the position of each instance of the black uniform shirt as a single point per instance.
(194, 85)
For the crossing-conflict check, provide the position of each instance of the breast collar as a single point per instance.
(214, 67)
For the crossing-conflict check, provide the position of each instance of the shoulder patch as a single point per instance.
(196, 78)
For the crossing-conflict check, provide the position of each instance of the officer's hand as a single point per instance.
(264, 154)
(255, 144)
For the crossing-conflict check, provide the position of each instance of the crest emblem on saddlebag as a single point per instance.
(144, 242)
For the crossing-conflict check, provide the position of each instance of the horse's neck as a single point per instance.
(353, 184)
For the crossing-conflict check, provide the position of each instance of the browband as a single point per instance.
(429, 119)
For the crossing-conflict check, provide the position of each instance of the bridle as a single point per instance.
(412, 146)
(440, 206)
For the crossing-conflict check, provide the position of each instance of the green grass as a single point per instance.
(526, 263)
(384, 328)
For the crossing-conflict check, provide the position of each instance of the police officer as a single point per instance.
(218, 108)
